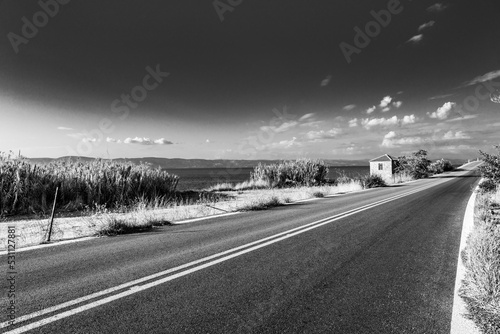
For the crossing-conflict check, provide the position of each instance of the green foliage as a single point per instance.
(417, 165)
(490, 169)
(28, 188)
(440, 166)
(373, 181)
(302, 172)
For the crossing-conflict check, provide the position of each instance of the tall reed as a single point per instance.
(29, 188)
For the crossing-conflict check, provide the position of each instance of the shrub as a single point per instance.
(417, 165)
(373, 181)
(440, 166)
(28, 188)
(487, 186)
(302, 172)
(490, 169)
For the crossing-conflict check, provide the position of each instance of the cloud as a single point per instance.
(450, 135)
(415, 39)
(437, 7)
(63, 128)
(369, 123)
(147, 141)
(463, 118)
(440, 96)
(482, 78)
(306, 116)
(326, 81)
(390, 140)
(349, 107)
(113, 140)
(90, 140)
(397, 104)
(285, 126)
(408, 119)
(370, 110)
(353, 123)
(443, 112)
(426, 25)
(330, 134)
(385, 102)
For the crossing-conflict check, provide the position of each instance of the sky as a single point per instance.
(237, 79)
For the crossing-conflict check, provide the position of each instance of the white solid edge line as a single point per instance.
(168, 271)
(460, 324)
(200, 267)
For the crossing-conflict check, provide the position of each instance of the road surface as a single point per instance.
(377, 261)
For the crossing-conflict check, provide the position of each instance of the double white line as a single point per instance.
(123, 290)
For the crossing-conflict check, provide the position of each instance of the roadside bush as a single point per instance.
(490, 169)
(302, 172)
(481, 286)
(440, 166)
(27, 188)
(373, 181)
(417, 165)
(487, 186)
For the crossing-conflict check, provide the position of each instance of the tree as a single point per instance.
(490, 169)
(417, 165)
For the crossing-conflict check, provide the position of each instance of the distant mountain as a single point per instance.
(175, 163)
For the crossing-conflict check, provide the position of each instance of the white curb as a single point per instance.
(460, 324)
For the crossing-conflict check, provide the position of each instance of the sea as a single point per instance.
(202, 178)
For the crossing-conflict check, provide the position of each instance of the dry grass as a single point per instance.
(145, 215)
(481, 286)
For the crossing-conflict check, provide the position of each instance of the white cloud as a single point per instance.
(450, 135)
(63, 128)
(415, 39)
(463, 118)
(426, 25)
(370, 110)
(408, 119)
(390, 135)
(353, 123)
(147, 141)
(386, 109)
(369, 123)
(330, 134)
(443, 112)
(390, 140)
(306, 116)
(162, 141)
(397, 104)
(113, 140)
(385, 102)
(482, 78)
(437, 7)
(326, 81)
(349, 107)
(89, 140)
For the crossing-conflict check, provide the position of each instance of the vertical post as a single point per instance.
(52, 215)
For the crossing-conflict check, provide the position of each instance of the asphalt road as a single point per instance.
(378, 261)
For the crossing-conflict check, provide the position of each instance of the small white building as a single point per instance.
(385, 166)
